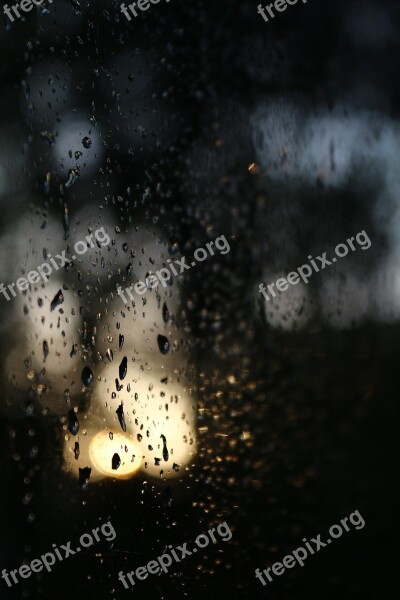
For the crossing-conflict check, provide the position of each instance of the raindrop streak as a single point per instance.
(47, 183)
(84, 476)
(76, 450)
(123, 368)
(115, 462)
(45, 350)
(163, 344)
(73, 423)
(121, 417)
(57, 300)
(165, 312)
(87, 376)
(165, 452)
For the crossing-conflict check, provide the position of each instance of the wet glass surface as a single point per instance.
(200, 299)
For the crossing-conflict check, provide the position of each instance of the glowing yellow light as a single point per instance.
(104, 446)
(153, 411)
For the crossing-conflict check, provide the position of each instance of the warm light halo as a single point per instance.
(102, 449)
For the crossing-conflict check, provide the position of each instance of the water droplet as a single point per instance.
(48, 137)
(47, 183)
(31, 374)
(41, 388)
(121, 416)
(115, 462)
(165, 449)
(121, 341)
(163, 344)
(57, 300)
(165, 313)
(76, 450)
(86, 376)
(66, 396)
(66, 221)
(73, 175)
(84, 476)
(73, 423)
(45, 350)
(123, 368)
(86, 142)
(109, 354)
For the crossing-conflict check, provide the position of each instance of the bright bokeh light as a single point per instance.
(105, 445)
(155, 412)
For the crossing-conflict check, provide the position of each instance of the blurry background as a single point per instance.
(190, 122)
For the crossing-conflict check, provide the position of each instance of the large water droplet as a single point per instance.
(86, 376)
(73, 175)
(115, 462)
(163, 344)
(86, 142)
(165, 449)
(57, 300)
(121, 417)
(84, 476)
(123, 368)
(165, 312)
(76, 450)
(73, 423)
